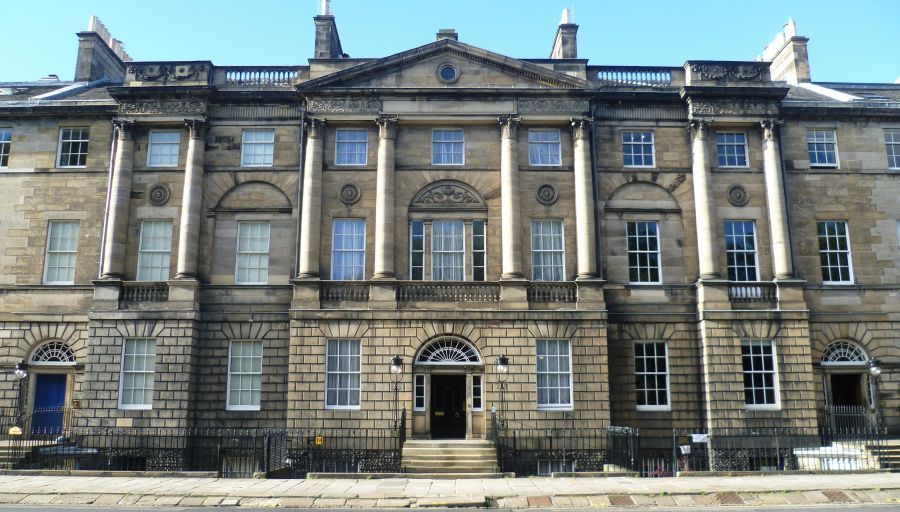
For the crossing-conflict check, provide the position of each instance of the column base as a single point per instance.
(306, 293)
(308, 275)
(186, 275)
(383, 294)
(506, 276)
(384, 275)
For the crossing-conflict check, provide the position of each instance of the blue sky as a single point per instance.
(854, 41)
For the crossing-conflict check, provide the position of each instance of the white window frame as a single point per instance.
(47, 251)
(834, 142)
(726, 144)
(558, 145)
(891, 141)
(849, 252)
(338, 143)
(151, 145)
(562, 234)
(136, 406)
(480, 394)
(231, 373)
(238, 252)
(755, 251)
(463, 147)
(5, 146)
(244, 145)
(652, 149)
(462, 251)
(335, 251)
(420, 388)
(559, 406)
(637, 374)
(59, 148)
(412, 250)
(776, 388)
(658, 252)
(483, 251)
(358, 373)
(142, 253)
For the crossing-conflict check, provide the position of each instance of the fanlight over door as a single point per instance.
(448, 351)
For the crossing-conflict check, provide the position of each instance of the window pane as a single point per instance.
(643, 251)
(553, 364)
(547, 250)
(258, 148)
(342, 373)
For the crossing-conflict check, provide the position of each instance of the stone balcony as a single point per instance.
(203, 73)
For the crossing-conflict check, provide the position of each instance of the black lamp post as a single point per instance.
(396, 376)
(502, 366)
(21, 374)
(874, 373)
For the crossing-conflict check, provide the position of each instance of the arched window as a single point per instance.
(839, 353)
(53, 353)
(447, 351)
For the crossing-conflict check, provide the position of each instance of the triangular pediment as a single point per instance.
(419, 68)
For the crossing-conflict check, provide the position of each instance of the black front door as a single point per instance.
(847, 389)
(448, 406)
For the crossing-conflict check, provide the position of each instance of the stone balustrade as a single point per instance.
(426, 291)
(256, 76)
(641, 76)
(563, 292)
(141, 291)
(344, 291)
(752, 292)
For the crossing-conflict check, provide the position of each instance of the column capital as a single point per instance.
(314, 127)
(768, 127)
(387, 127)
(700, 128)
(581, 127)
(509, 126)
(125, 128)
(196, 127)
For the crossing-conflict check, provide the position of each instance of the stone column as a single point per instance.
(778, 221)
(384, 200)
(703, 202)
(585, 229)
(311, 213)
(511, 215)
(191, 202)
(119, 203)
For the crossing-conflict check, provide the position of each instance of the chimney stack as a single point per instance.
(328, 42)
(788, 55)
(99, 54)
(446, 33)
(565, 46)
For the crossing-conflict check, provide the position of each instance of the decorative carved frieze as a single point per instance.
(387, 127)
(732, 107)
(738, 72)
(169, 106)
(340, 106)
(552, 105)
(509, 126)
(448, 194)
(168, 72)
(581, 128)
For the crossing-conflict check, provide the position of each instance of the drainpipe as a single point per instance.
(300, 191)
(112, 154)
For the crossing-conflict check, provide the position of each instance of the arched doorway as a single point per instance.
(849, 391)
(52, 370)
(448, 382)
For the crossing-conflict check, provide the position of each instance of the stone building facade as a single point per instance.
(711, 245)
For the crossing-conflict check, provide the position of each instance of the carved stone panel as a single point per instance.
(448, 194)
(341, 106)
(166, 106)
(732, 107)
(720, 72)
(165, 73)
(552, 105)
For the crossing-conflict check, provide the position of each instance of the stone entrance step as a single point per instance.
(446, 457)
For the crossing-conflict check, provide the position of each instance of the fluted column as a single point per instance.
(311, 213)
(510, 215)
(119, 203)
(703, 202)
(191, 202)
(585, 229)
(778, 221)
(384, 200)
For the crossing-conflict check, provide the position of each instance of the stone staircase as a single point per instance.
(451, 458)
(888, 454)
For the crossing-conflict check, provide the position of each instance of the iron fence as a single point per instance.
(541, 452)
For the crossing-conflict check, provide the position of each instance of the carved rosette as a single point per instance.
(342, 106)
(159, 195)
(700, 128)
(349, 194)
(315, 128)
(197, 128)
(509, 126)
(581, 128)
(387, 127)
(738, 195)
(125, 128)
(768, 127)
(547, 195)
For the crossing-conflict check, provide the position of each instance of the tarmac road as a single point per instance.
(814, 508)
